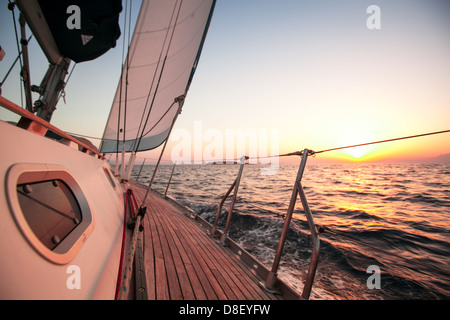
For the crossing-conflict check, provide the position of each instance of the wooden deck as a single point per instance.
(183, 262)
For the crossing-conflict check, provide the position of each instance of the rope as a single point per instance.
(137, 215)
(122, 251)
(383, 141)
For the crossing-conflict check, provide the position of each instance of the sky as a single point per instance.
(294, 74)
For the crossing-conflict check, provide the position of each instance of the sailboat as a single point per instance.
(72, 226)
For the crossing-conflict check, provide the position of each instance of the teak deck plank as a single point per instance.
(182, 262)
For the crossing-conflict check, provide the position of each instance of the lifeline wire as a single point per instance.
(383, 141)
(300, 153)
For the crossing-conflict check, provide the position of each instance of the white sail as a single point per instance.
(162, 58)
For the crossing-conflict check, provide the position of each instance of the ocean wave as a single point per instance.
(390, 207)
(417, 198)
(259, 235)
(428, 228)
(358, 215)
(428, 199)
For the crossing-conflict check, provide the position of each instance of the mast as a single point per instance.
(25, 72)
(53, 82)
(50, 90)
(63, 42)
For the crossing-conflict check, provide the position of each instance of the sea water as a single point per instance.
(391, 216)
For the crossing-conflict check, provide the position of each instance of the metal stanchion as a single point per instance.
(271, 280)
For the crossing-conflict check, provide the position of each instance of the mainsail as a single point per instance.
(162, 58)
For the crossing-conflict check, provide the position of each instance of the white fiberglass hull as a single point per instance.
(90, 270)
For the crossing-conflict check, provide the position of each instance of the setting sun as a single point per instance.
(354, 135)
(358, 152)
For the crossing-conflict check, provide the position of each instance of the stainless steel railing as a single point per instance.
(235, 186)
(271, 280)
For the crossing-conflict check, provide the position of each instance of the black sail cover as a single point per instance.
(84, 33)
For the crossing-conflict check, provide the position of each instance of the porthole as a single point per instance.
(50, 209)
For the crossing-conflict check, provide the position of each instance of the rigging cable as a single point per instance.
(11, 6)
(120, 92)
(161, 72)
(137, 33)
(313, 153)
(383, 141)
(89, 137)
(14, 63)
(63, 93)
(162, 117)
(126, 77)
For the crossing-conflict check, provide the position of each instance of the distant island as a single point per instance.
(443, 158)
